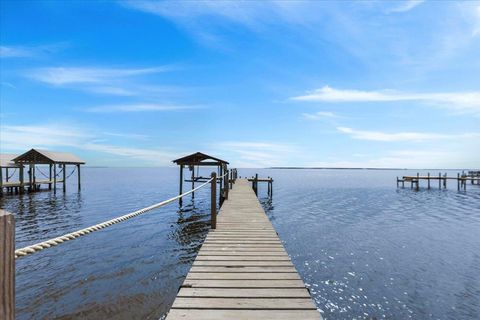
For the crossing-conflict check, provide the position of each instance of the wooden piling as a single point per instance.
(50, 176)
(54, 178)
(418, 181)
(64, 177)
(7, 266)
(439, 180)
(458, 181)
(213, 201)
(428, 180)
(226, 184)
(78, 177)
(193, 181)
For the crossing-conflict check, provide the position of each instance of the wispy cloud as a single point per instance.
(56, 136)
(460, 101)
(321, 115)
(406, 5)
(403, 136)
(137, 108)
(476, 23)
(88, 75)
(30, 51)
(256, 154)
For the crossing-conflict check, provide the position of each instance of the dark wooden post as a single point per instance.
(271, 188)
(6, 174)
(445, 181)
(213, 201)
(64, 177)
(428, 175)
(220, 191)
(418, 181)
(193, 183)
(458, 181)
(54, 178)
(50, 177)
(256, 183)
(34, 173)
(1, 180)
(21, 178)
(226, 183)
(30, 185)
(180, 183)
(7, 266)
(439, 180)
(78, 177)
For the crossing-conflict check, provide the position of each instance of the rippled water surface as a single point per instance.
(366, 249)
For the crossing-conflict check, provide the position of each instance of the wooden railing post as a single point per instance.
(213, 203)
(7, 265)
(226, 183)
(256, 183)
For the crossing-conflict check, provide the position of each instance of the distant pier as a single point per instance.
(461, 179)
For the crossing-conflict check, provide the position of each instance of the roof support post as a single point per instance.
(50, 176)
(64, 177)
(54, 177)
(180, 184)
(78, 178)
(193, 181)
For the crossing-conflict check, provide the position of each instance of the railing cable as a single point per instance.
(73, 235)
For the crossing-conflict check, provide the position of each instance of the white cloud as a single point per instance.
(81, 75)
(459, 101)
(403, 136)
(476, 29)
(321, 115)
(14, 52)
(30, 51)
(406, 5)
(256, 154)
(409, 158)
(60, 136)
(137, 108)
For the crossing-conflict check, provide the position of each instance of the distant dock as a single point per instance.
(462, 179)
(13, 166)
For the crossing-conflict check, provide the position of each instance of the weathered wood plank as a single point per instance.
(243, 293)
(244, 303)
(242, 269)
(243, 283)
(177, 314)
(242, 275)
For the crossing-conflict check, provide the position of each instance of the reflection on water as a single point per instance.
(365, 248)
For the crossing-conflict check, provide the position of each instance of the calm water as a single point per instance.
(366, 249)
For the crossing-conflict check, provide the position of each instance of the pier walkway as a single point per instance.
(242, 270)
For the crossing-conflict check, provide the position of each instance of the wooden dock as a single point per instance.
(242, 270)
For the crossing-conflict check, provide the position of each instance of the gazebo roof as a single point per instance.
(47, 157)
(6, 161)
(199, 159)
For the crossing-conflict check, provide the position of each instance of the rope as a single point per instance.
(73, 235)
(8, 178)
(43, 174)
(70, 174)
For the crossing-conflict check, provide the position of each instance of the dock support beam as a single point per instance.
(54, 178)
(64, 177)
(213, 201)
(50, 177)
(78, 177)
(193, 181)
(180, 184)
(7, 267)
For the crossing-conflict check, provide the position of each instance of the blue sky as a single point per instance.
(346, 84)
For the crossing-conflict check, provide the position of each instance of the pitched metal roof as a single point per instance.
(197, 158)
(46, 157)
(6, 160)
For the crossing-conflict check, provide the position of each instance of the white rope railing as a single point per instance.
(73, 235)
